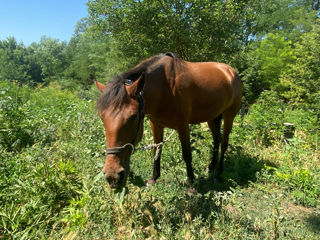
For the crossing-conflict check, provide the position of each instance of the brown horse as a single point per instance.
(173, 93)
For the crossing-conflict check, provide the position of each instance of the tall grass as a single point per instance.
(51, 186)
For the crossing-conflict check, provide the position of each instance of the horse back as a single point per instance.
(207, 89)
(196, 92)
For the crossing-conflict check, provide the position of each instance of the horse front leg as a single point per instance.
(184, 136)
(157, 132)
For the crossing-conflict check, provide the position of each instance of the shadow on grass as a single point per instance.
(240, 169)
(136, 180)
(313, 222)
(172, 206)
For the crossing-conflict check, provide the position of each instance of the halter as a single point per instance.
(130, 146)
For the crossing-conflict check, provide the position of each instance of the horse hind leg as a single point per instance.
(228, 118)
(215, 127)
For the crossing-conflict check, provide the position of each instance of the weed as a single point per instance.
(51, 184)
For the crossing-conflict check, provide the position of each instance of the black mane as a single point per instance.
(115, 89)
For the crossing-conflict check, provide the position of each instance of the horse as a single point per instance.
(172, 93)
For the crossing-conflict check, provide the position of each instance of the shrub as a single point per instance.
(15, 132)
(301, 183)
(265, 118)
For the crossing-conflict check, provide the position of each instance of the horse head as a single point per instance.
(121, 110)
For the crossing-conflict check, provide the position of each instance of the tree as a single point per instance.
(13, 64)
(87, 57)
(266, 62)
(302, 80)
(51, 56)
(197, 30)
(288, 18)
(275, 27)
(34, 70)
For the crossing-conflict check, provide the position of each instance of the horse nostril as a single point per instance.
(108, 178)
(121, 175)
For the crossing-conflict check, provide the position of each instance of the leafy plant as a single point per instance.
(302, 183)
(15, 132)
(266, 118)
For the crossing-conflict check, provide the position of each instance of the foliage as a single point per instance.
(302, 81)
(34, 64)
(302, 184)
(15, 132)
(13, 61)
(41, 176)
(51, 57)
(146, 28)
(266, 118)
(53, 188)
(266, 63)
(287, 18)
(88, 59)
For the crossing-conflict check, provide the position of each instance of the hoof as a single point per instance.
(150, 182)
(191, 192)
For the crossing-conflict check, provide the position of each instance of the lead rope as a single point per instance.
(156, 145)
(115, 150)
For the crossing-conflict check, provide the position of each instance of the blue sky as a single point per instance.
(29, 20)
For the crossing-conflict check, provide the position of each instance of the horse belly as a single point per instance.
(204, 112)
(207, 104)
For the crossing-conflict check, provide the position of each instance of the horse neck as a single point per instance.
(160, 85)
(157, 88)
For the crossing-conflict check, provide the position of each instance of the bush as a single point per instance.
(302, 183)
(15, 131)
(41, 115)
(46, 135)
(265, 118)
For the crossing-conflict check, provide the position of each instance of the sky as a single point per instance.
(28, 20)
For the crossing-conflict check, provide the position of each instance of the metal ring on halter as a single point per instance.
(120, 149)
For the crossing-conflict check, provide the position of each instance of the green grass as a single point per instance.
(51, 186)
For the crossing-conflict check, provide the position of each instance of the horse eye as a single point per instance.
(133, 117)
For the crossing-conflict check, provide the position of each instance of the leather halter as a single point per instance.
(130, 146)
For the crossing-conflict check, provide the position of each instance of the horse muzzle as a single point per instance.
(117, 180)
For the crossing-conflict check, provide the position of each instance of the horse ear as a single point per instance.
(137, 86)
(100, 86)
